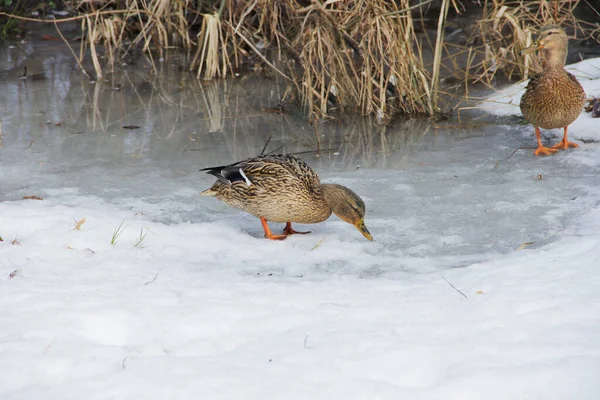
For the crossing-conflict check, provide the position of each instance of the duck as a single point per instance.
(553, 98)
(283, 188)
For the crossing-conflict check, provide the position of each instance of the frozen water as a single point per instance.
(429, 192)
(203, 306)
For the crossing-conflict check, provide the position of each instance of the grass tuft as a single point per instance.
(142, 237)
(116, 233)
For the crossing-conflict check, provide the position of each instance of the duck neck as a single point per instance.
(555, 59)
(336, 197)
(331, 193)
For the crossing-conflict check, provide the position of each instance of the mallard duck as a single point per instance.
(553, 98)
(283, 188)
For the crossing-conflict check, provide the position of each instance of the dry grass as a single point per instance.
(359, 56)
(78, 224)
(337, 56)
(508, 26)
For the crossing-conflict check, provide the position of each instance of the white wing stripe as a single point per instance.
(245, 177)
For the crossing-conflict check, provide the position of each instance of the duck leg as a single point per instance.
(268, 233)
(541, 150)
(565, 144)
(289, 231)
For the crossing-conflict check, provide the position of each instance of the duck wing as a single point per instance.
(256, 170)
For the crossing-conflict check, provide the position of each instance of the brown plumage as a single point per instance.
(283, 188)
(553, 98)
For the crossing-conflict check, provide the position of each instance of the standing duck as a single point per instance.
(283, 188)
(553, 98)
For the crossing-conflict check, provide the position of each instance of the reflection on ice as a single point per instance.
(431, 191)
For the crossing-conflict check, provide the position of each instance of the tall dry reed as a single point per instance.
(508, 26)
(360, 56)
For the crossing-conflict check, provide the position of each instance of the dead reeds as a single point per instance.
(508, 26)
(360, 56)
(337, 56)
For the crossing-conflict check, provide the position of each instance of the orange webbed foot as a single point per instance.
(564, 145)
(276, 237)
(544, 151)
(268, 234)
(289, 231)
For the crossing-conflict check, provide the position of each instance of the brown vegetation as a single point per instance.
(362, 56)
(509, 26)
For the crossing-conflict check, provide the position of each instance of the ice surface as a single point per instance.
(482, 281)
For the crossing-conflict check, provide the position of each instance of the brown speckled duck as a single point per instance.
(283, 188)
(553, 98)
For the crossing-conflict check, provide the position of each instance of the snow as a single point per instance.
(483, 281)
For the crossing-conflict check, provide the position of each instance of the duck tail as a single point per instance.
(215, 171)
(208, 192)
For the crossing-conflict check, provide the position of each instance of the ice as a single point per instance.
(482, 281)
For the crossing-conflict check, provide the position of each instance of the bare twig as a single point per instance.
(266, 144)
(155, 276)
(512, 154)
(76, 18)
(249, 43)
(437, 59)
(71, 50)
(49, 345)
(454, 287)
(407, 9)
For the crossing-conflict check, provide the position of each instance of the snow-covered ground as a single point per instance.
(483, 281)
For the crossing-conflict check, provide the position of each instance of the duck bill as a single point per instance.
(532, 48)
(360, 225)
